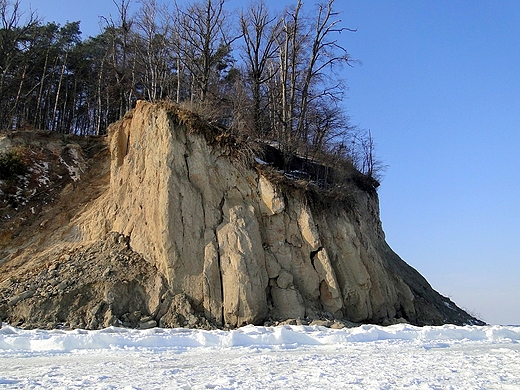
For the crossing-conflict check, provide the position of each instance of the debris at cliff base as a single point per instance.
(92, 287)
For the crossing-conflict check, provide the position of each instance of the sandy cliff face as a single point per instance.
(236, 247)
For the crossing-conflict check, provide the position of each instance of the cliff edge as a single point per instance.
(157, 225)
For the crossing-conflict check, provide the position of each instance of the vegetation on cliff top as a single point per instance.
(259, 76)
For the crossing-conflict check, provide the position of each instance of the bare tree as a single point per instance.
(206, 42)
(120, 57)
(325, 53)
(302, 85)
(327, 125)
(154, 51)
(290, 49)
(367, 162)
(258, 29)
(174, 20)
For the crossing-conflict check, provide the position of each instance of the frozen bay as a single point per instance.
(283, 357)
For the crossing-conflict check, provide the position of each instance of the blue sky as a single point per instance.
(439, 88)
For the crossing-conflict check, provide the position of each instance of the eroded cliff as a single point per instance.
(201, 240)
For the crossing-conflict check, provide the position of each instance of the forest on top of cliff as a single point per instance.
(259, 76)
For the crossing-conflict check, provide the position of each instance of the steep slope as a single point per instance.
(203, 241)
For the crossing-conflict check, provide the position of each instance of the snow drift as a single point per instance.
(287, 336)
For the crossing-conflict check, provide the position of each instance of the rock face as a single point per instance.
(216, 243)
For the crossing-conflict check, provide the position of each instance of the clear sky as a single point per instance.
(439, 88)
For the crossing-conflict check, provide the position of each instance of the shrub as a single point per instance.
(11, 165)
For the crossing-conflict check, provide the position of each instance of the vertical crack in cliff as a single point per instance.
(182, 228)
(127, 146)
(186, 156)
(219, 263)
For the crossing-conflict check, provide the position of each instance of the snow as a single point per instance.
(260, 161)
(74, 170)
(283, 357)
(41, 169)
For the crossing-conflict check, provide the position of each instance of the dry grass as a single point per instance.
(235, 143)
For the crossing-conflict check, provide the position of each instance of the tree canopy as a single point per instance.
(274, 78)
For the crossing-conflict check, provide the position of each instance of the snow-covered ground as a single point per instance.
(284, 357)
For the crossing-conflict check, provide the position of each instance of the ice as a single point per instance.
(253, 357)
(260, 161)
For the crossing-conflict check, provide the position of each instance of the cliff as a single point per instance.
(165, 227)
